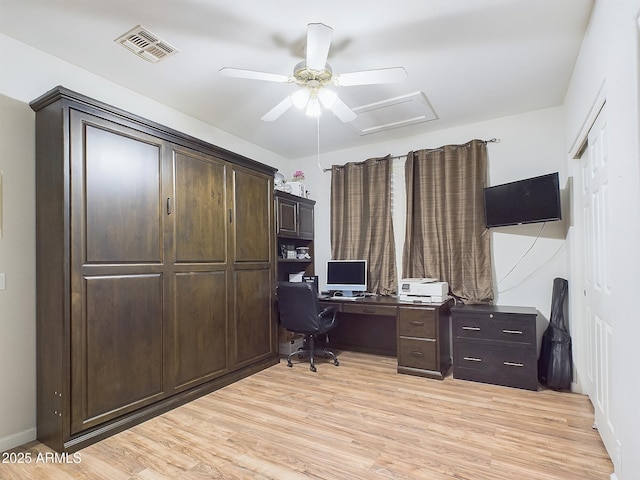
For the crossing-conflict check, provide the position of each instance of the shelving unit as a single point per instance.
(294, 227)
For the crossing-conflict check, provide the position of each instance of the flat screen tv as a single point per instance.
(530, 200)
(347, 276)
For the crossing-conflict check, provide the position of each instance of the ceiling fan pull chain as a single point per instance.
(318, 137)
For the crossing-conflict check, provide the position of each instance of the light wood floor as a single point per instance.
(360, 420)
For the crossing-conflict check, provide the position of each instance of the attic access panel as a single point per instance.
(394, 112)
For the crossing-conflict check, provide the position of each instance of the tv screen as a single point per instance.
(347, 276)
(530, 200)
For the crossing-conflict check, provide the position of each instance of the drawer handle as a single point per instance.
(369, 310)
(473, 359)
(417, 354)
(513, 364)
(513, 332)
(475, 329)
(417, 324)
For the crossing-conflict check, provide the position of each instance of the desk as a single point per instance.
(417, 334)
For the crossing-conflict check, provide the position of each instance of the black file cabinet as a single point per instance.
(496, 344)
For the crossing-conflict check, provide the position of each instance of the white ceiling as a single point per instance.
(473, 59)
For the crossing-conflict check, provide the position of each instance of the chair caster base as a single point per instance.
(312, 353)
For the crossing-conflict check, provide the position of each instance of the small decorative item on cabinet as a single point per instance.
(287, 251)
(296, 188)
(303, 253)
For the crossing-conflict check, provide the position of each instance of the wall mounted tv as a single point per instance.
(530, 200)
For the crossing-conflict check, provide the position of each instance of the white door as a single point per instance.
(595, 213)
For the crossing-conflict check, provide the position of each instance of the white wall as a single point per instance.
(609, 63)
(29, 73)
(18, 262)
(530, 144)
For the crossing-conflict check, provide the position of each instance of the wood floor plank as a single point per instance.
(361, 420)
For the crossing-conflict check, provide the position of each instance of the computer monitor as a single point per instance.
(347, 276)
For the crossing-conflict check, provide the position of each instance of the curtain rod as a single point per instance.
(397, 157)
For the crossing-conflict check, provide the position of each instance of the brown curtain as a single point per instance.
(361, 225)
(446, 237)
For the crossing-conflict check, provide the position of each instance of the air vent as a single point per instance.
(394, 113)
(146, 45)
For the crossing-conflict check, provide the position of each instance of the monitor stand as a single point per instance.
(346, 294)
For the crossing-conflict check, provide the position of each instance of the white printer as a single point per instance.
(419, 290)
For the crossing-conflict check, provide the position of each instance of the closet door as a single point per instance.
(117, 261)
(198, 277)
(252, 240)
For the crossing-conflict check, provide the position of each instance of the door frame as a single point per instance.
(576, 327)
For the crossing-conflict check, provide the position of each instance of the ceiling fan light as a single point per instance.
(301, 97)
(327, 97)
(313, 108)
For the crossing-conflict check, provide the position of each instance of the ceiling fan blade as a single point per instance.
(342, 111)
(318, 43)
(371, 77)
(253, 75)
(278, 110)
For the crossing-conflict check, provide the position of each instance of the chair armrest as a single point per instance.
(328, 310)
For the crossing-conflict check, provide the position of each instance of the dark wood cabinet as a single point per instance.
(424, 340)
(155, 268)
(496, 344)
(294, 228)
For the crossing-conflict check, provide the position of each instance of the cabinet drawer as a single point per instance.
(370, 309)
(514, 367)
(504, 328)
(417, 353)
(416, 322)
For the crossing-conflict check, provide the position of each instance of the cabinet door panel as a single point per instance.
(122, 216)
(305, 219)
(200, 327)
(117, 352)
(253, 314)
(200, 209)
(253, 214)
(287, 217)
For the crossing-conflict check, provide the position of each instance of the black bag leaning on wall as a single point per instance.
(555, 367)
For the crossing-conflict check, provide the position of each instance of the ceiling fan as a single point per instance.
(314, 75)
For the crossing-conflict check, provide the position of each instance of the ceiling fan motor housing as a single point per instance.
(306, 77)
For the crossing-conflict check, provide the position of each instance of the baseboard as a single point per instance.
(17, 439)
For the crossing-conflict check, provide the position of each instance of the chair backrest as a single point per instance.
(299, 307)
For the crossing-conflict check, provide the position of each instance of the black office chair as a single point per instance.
(300, 312)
